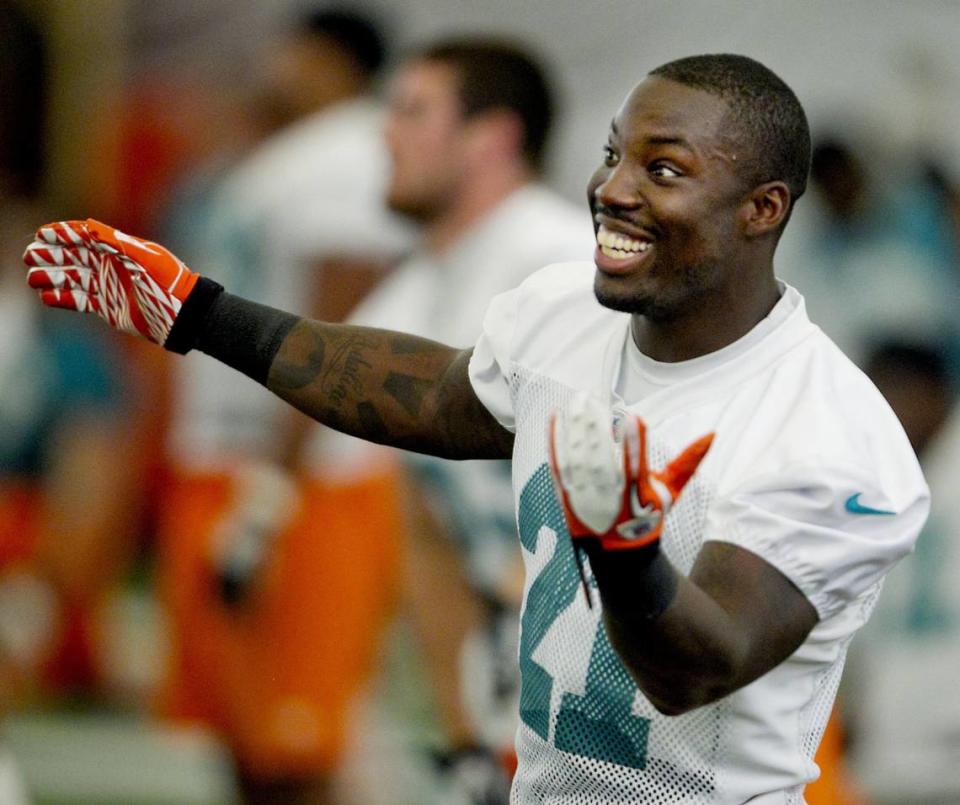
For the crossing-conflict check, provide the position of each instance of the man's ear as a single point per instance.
(765, 209)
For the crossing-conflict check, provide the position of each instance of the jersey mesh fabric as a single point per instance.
(817, 715)
(587, 734)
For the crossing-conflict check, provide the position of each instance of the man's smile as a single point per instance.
(618, 252)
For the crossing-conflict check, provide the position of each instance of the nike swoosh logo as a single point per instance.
(854, 506)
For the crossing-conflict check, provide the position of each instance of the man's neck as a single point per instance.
(476, 201)
(708, 327)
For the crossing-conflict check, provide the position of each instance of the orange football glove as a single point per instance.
(608, 492)
(135, 285)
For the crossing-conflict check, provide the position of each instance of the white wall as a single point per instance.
(890, 66)
(894, 67)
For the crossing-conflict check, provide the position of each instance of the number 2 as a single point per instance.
(599, 724)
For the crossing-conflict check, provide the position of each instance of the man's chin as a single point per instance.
(615, 302)
(621, 301)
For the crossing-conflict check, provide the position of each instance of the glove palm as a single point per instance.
(608, 492)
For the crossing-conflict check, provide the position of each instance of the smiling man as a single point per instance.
(707, 670)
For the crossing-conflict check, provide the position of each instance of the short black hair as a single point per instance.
(357, 35)
(497, 74)
(765, 112)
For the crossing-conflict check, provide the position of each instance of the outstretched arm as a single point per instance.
(382, 386)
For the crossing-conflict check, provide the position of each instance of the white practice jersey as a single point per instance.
(314, 190)
(809, 469)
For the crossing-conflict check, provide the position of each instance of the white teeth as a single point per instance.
(614, 244)
(618, 254)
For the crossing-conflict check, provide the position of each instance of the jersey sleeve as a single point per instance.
(834, 534)
(491, 362)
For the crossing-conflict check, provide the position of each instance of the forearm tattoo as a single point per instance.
(386, 387)
(340, 377)
(293, 376)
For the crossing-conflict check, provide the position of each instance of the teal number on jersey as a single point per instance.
(551, 593)
(599, 724)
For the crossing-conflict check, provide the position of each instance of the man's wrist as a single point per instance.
(192, 316)
(242, 334)
(635, 585)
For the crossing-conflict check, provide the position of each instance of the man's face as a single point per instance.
(664, 201)
(303, 74)
(425, 135)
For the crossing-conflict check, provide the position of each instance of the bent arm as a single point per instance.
(382, 386)
(735, 618)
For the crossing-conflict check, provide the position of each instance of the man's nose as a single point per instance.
(618, 188)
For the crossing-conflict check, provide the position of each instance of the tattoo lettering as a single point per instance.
(342, 376)
(387, 387)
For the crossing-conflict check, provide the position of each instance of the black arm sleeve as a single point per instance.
(636, 584)
(242, 334)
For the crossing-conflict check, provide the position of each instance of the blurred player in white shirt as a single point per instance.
(467, 132)
(300, 222)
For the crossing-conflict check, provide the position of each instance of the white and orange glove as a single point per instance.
(136, 286)
(608, 492)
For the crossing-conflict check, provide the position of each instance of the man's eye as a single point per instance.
(610, 157)
(664, 171)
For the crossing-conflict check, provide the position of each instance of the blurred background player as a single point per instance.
(893, 250)
(467, 132)
(67, 460)
(64, 445)
(900, 698)
(274, 602)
